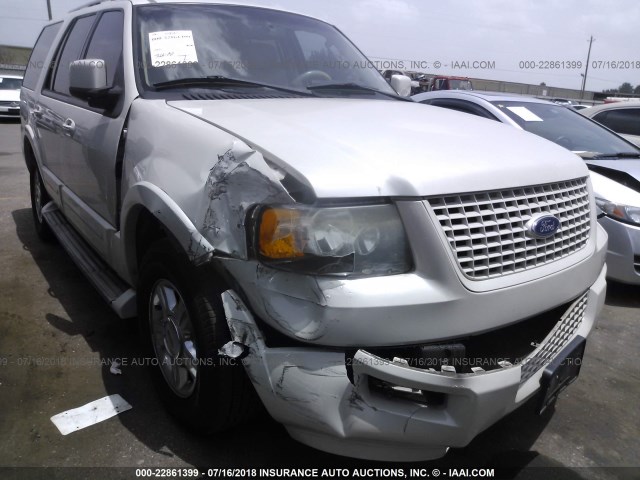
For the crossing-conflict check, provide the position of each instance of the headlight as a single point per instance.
(360, 241)
(626, 213)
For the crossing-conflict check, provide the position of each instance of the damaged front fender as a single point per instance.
(199, 186)
(238, 180)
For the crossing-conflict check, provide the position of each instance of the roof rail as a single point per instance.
(90, 4)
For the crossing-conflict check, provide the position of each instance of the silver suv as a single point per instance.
(389, 279)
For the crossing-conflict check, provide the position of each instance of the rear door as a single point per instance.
(44, 137)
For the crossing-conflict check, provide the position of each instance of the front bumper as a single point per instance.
(623, 255)
(10, 111)
(308, 390)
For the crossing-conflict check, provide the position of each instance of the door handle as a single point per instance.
(69, 126)
(37, 112)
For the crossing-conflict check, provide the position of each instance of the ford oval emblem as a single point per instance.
(542, 225)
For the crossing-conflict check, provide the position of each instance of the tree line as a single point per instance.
(626, 87)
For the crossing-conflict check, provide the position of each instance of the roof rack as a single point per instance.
(90, 4)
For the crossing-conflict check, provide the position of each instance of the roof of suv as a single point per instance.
(240, 3)
(153, 2)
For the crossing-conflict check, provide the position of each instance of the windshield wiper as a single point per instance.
(356, 87)
(222, 81)
(598, 155)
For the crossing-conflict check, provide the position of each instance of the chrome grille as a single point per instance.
(487, 232)
(557, 339)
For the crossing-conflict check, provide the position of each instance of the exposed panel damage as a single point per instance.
(293, 304)
(289, 380)
(299, 387)
(309, 391)
(239, 179)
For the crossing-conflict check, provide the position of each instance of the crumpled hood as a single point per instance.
(364, 148)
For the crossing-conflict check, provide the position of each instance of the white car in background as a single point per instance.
(10, 96)
(613, 161)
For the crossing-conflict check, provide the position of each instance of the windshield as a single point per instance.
(250, 44)
(565, 127)
(10, 83)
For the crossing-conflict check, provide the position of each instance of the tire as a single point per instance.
(39, 198)
(182, 320)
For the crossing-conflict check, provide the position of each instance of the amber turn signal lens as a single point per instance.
(277, 233)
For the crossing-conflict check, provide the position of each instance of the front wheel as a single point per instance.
(183, 326)
(39, 198)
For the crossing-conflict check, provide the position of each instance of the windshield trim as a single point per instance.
(354, 89)
(219, 82)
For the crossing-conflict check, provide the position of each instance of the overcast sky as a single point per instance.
(455, 33)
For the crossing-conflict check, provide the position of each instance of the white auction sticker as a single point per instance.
(172, 47)
(525, 114)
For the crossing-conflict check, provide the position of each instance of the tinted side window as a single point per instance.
(601, 117)
(106, 43)
(71, 52)
(38, 55)
(625, 121)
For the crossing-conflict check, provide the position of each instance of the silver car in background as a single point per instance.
(614, 162)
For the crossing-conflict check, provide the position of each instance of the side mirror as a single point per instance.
(401, 84)
(88, 78)
(88, 81)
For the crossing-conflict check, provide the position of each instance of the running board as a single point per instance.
(120, 296)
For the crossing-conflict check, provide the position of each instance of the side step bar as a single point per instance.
(120, 296)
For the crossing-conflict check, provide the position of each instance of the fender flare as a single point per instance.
(147, 196)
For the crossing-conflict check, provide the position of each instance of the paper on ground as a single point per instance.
(115, 368)
(90, 414)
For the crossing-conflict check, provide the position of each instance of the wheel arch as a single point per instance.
(29, 154)
(149, 214)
